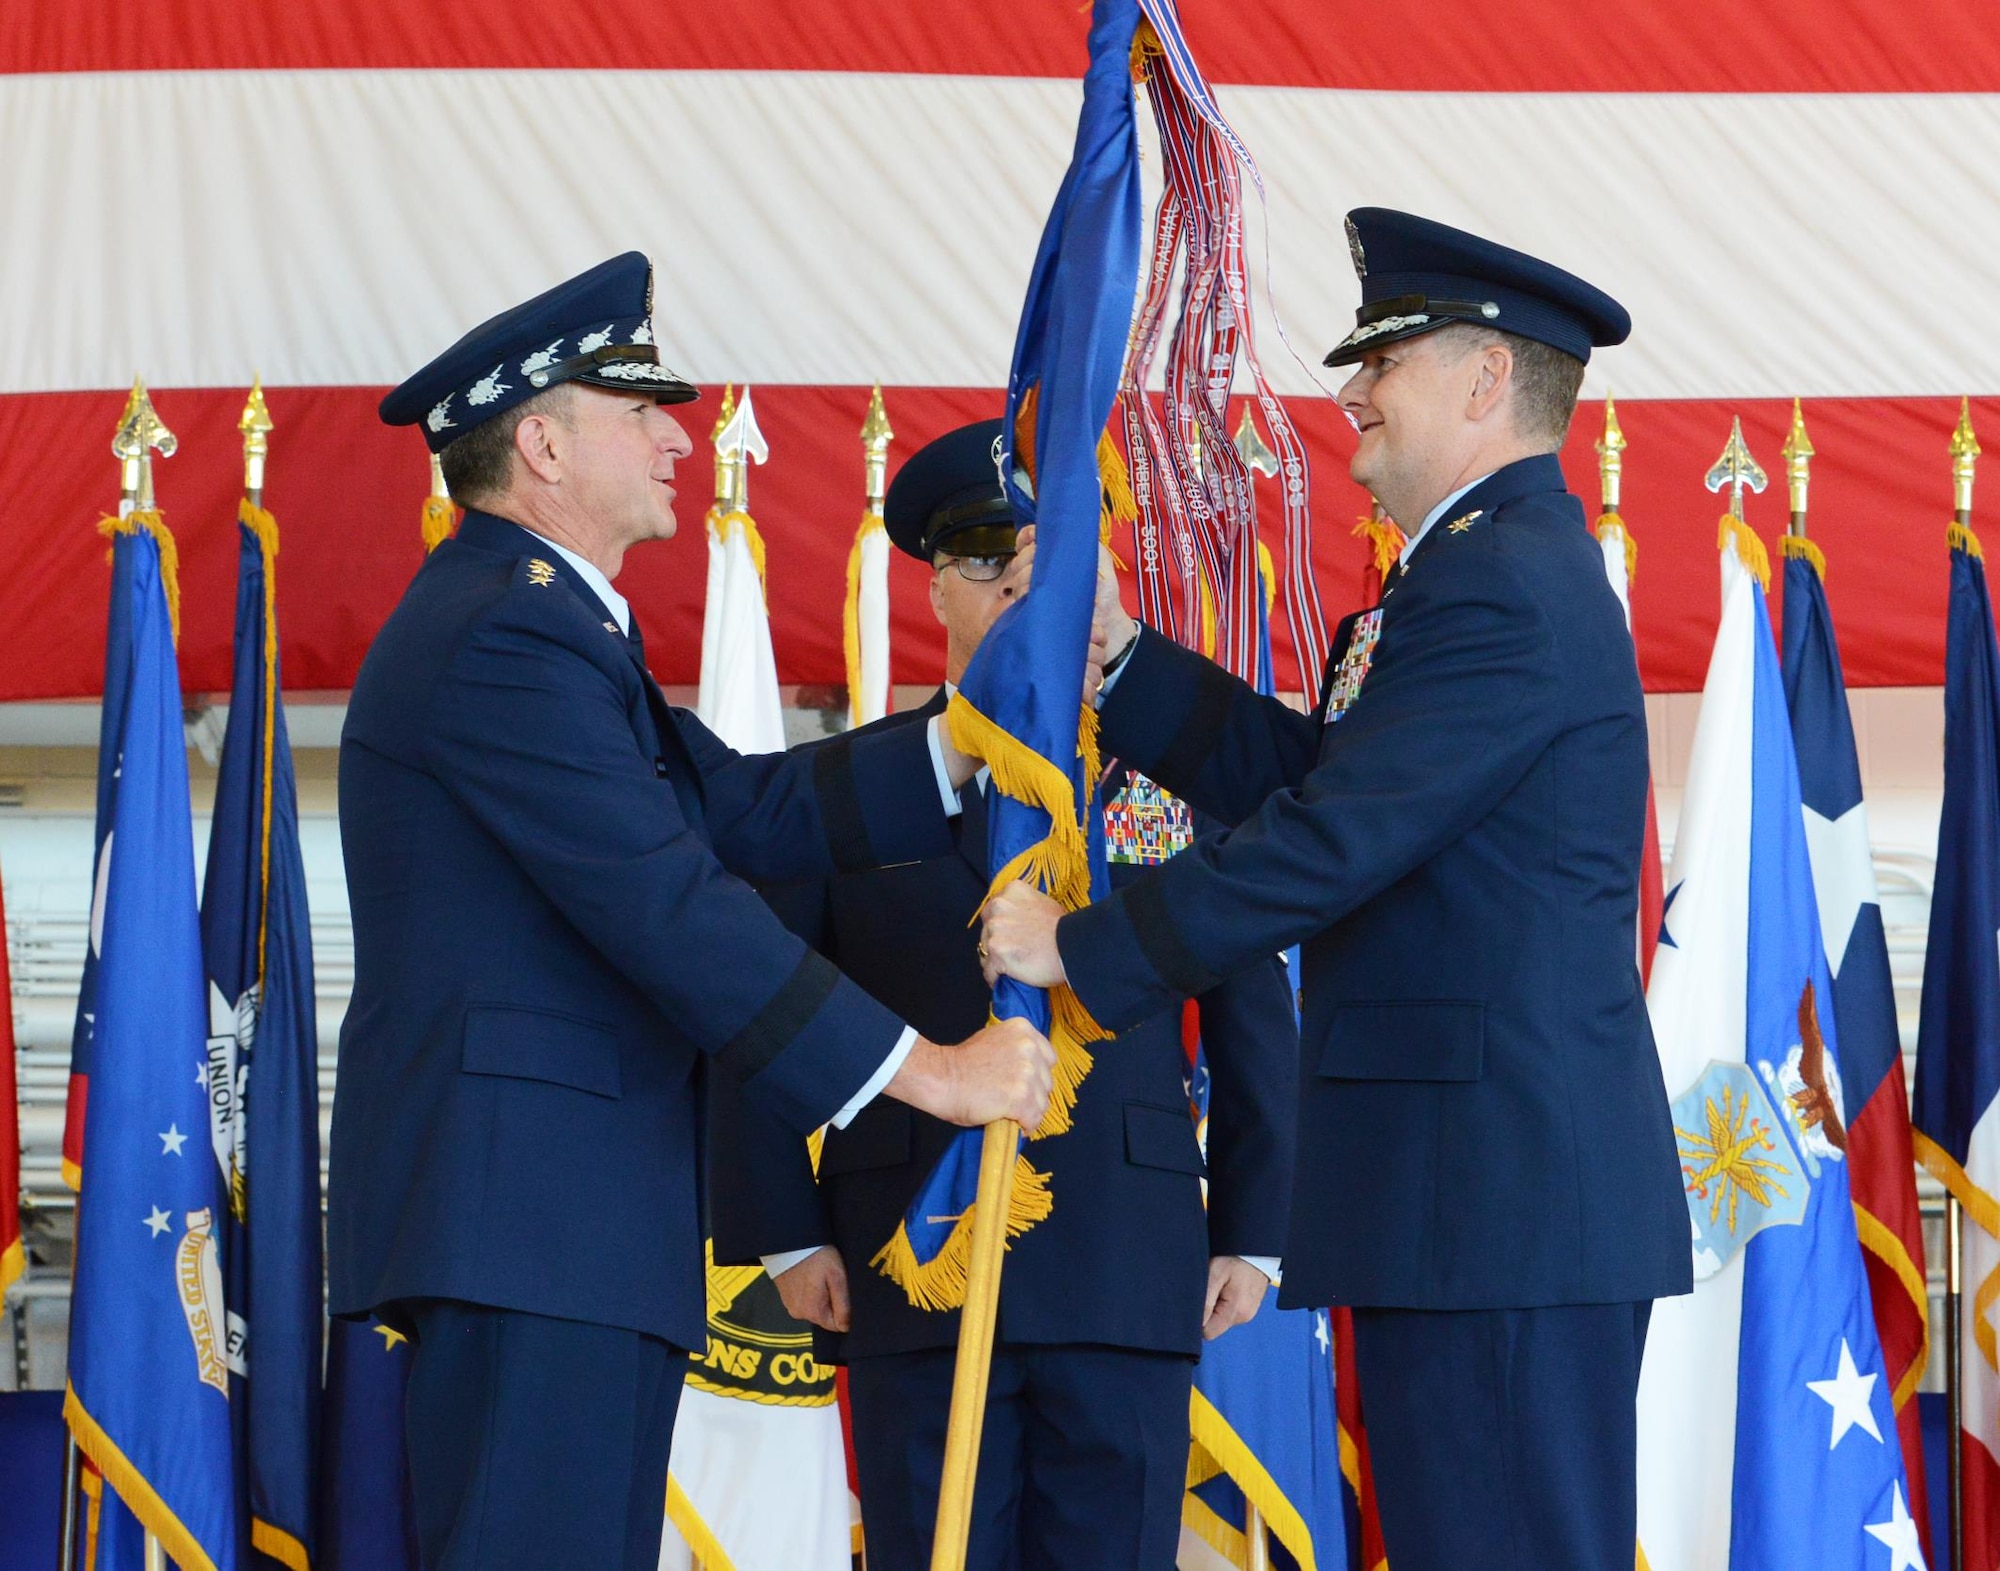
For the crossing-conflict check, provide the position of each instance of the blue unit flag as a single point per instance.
(263, 1067)
(149, 1346)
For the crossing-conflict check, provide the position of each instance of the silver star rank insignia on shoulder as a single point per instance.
(540, 574)
(1458, 526)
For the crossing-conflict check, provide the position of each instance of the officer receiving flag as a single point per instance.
(1766, 1424)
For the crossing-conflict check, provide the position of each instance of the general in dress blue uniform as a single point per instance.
(1084, 1451)
(551, 954)
(1486, 1166)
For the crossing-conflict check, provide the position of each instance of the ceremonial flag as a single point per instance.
(864, 620)
(758, 1475)
(1766, 1430)
(263, 1072)
(1621, 557)
(1881, 1166)
(739, 699)
(1021, 707)
(1956, 1108)
(13, 1261)
(365, 1520)
(149, 1353)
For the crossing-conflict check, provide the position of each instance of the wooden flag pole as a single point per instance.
(975, 1344)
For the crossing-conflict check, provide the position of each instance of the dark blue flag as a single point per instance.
(149, 1343)
(365, 1523)
(263, 1066)
(1021, 705)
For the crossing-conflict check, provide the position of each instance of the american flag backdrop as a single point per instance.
(1795, 199)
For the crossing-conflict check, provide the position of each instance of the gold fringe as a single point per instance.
(439, 519)
(13, 1261)
(701, 1540)
(1609, 522)
(1959, 537)
(850, 623)
(1207, 595)
(1268, 571)
(1800, 546)
(719, 526)
(152, 523)
(279, 1545)
(1146, 45)
(1384, 539)
(940, 1282)
(1115, 484)
(144, 1502)
(1877, 1238)
(1749, 549)
(261, 524)
(1209, 1430)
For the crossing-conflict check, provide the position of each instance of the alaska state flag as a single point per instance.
(263, 1069)
(1020, 704)
(1767, 1435)
(365, 1518)
(149, 1346)
(1956, 1106)
(1881, 1167)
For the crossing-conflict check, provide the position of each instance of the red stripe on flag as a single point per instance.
(349, 490)
(1359, 1473)
(1981, 1484)
(1652, 891)
(1465, 46)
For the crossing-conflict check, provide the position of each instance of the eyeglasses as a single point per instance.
(980, 569)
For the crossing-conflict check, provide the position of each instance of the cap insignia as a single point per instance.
(1354, 250)
(1388, 324)
(541, 359)
(487, 389)
(593, 341)
(634, 371)
(1458, 526)
(438, 419)
(643, 333)
(540, 574)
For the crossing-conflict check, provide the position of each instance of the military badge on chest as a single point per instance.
(1144, 825)
(1353, 668)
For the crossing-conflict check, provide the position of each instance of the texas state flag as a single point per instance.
(1767, 1435)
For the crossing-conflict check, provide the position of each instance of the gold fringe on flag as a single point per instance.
(1959, 537)
(719, 524)
(850, 618)
(151, 521)
(1115, 482)
(1749, 549)
(440, 518)
(1384, 539)
(1799, 546)
(1610, 525)
(1268, 570)
(940, 1282)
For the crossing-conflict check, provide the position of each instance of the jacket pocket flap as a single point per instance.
(535, 1044)
(878, 1137)
(1415, 1041)
(1162, 1137)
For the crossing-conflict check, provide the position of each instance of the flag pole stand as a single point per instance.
(71, 1481)
(1257, 1550)
(975, 1345)
(1954, 1386)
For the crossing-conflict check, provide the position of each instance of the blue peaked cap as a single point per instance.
(1417, 275)
(596, 328)
(947, 497)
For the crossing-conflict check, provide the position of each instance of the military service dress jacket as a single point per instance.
(1454, 838)
(1123, 1261)
(549, 945)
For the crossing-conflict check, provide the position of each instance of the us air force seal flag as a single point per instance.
(1767, 1436)
(149, 1353)
(1956, 1107)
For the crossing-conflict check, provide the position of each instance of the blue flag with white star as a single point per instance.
(263, 1060)
(149, 1343)
(1819, 1473)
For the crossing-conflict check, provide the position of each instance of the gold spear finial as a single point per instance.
(725, 466)
(256, 426)
(1736, 469)
(140, 434)
(738, 443)
(1798, 451)
(875, 439)
(1611, 458)
(1964, 457)
(1250, 443)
